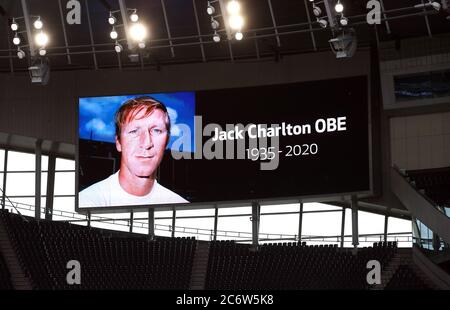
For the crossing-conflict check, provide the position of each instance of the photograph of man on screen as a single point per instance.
(142, 133)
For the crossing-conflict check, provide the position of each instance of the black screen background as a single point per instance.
(342, 162)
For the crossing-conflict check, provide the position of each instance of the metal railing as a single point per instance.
(239, 236)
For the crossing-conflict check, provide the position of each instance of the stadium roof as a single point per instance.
(181, 31)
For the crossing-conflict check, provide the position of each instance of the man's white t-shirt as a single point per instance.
(108, 193)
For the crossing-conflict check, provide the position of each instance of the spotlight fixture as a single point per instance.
(210, 9)
(16, 39)
(216, 37)
(42, 51)
(322, 22)
(214, 24)
(434, 4)
(316, 10)
(118, 47)
(236, 22)
(111, 20)
(238, 36)
(339, 7)
(345, 44)
(343, 21)
(41, 39)
(134, 17)
(233, 7)
(113, 34)
(14, 25)
(38, 24)
(141, 45)
(20, 53)
(138, 32)
(39, 71)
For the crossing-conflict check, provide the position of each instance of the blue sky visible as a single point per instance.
(96, 115)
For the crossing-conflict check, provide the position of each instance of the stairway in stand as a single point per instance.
(199, 266)
(18, 278)
(403, 256)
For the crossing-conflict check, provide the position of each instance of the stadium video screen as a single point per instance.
(230, 145)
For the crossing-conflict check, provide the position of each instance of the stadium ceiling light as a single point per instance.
(20, 53)
(435, 5)
(214, 23)
(117, 47)
(14, 25)
(343, 21)
(134, 17)
(41, 39)
(113, 34)
(216, 37)
(210, 9)
(339, 7)
(238, 36)
(316, 10)
(16, 39)
(138, 32)
(236, 22)
(141, 45)
(42, 51)
(233, 7)
(111, 20)
(322, 22)
(38, 23)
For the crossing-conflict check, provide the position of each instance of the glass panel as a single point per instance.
(43, 183)
(280, 208)
(1, 183)
(234, 228)
(64, 164)
(370, 223)
(163, 214)
(321, 224)
(201, 229)
(279, 227)
(422, 86)
(119, 225)
(24, 205)
(199, 212)
(162, 228)
(65, 183)
(20, 184)
(64, 204)
(2, 159)
(44, 162)
(315, 206)
(396, 225)
(237, 210)
(140, 223)
(21, 161)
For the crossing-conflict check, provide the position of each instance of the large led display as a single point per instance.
(278, 142)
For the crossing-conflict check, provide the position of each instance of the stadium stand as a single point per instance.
(406, 279)
(291, 266)
(434, 183)
(116, 260)
(109, 260)
(5, 281)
